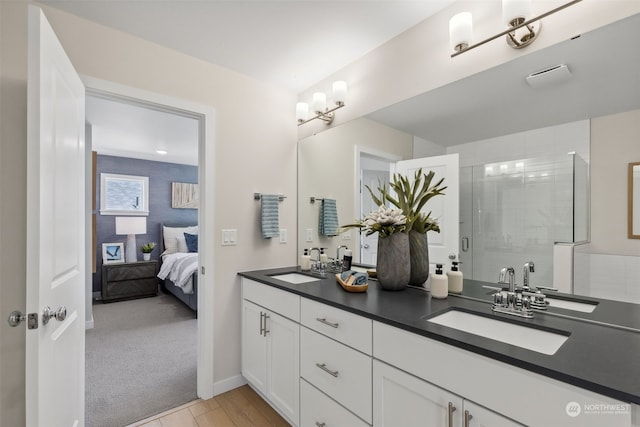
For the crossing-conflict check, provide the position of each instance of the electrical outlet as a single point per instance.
(283, 235)
(309, 235)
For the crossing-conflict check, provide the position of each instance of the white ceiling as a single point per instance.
(126, 130)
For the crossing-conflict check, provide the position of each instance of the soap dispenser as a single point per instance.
(439, 283)
(324, 258)
(455, 279)
(305, 261)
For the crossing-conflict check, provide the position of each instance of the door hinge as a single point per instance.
(202, 270)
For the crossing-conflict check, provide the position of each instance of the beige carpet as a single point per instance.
(140, 360)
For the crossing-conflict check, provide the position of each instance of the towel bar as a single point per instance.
(258, 196)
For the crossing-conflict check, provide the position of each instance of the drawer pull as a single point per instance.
(451, 410)
(467, 418)
(262, 323)
(266, 317)
(323, 366)
(326, 322)
(319, 424)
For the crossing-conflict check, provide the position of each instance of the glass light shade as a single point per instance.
(513, 9)
(319, 103)
(302, 111)
(461, 29)
(339, 92)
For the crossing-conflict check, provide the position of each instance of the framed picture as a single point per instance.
(112, 253)
(124, 194)
(184, 195)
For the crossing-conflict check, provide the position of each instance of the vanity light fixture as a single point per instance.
(521, 32)
(319, 105)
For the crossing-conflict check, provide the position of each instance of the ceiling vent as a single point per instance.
(550, 76)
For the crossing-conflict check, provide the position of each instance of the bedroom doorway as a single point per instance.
(202, 116)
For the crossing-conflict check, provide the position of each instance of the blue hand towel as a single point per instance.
(360, 278)
(269, 215)
(328, 225)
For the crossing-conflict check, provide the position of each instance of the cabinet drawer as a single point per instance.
(284, 303)
(129, 288)
(339, 371)
(350, 329)
(318, 409)
(130, 271)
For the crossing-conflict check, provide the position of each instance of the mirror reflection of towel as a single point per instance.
(269, 215)
(328, 218)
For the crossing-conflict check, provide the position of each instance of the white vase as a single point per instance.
(146, 257)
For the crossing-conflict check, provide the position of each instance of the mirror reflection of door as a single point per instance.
(374, 173)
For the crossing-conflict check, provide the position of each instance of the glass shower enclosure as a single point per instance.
(515, 211)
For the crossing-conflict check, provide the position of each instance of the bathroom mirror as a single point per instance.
(634, 200)
(492, 112)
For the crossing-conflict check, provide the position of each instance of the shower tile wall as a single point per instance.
(615, 277)
(517, 199)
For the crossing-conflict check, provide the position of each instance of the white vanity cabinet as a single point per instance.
(511, 393)
(335, 360)
(403, 400)
(270, 346)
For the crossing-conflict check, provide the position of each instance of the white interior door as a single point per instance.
(443, 246)
(55, 231)
(369, 244)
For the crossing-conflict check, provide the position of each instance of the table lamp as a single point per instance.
(131, 225)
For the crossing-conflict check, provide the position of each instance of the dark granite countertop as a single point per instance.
(596, 357)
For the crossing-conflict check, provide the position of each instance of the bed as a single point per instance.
(179, 262)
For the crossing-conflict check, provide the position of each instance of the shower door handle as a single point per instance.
(465, 244)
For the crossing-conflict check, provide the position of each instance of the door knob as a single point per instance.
(60, 314)
(16, 317)
(366, 246)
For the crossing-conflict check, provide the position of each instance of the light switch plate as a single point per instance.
(229, 237)
(283, 235)
(309, 235)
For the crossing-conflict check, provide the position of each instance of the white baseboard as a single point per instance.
(88, 324)
(228, 384)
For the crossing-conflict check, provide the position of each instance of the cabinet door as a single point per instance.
(254, 346)
(283, 361)
(479, 416)
(402, 400)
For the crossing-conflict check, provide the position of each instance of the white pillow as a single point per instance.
(173, 235)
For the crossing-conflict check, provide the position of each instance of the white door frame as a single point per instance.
(206, 135)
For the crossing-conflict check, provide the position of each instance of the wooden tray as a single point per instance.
(347, 286)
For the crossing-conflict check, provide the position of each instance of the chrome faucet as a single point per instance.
(315, 249)
(528, 268)
(508, 273)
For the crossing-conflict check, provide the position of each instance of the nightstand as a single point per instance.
(129, 280)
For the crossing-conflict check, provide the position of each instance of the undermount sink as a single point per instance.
(544, 342)
(295, 278)
(567, 304)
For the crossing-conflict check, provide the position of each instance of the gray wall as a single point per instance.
(161, 175)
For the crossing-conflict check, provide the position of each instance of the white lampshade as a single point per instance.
(513, 9)
(319, 103)
(131, 225)
(461, 29)
(339, 92)
(302, 111)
